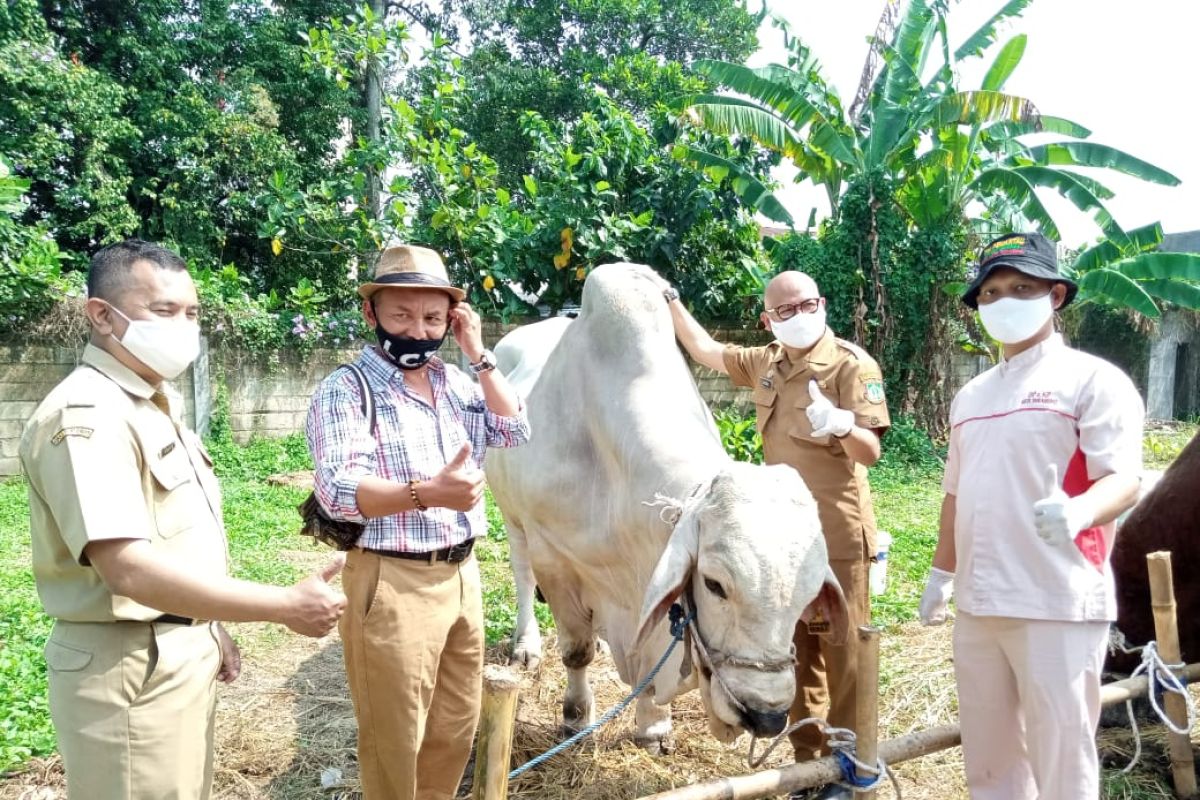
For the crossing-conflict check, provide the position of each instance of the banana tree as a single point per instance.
(946, 148)
(1136, 275)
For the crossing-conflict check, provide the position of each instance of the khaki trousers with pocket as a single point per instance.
(413, 639)
(827, 674)
(133, 704)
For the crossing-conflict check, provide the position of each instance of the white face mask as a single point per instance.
(166, 346)
(1010, 320)
(801, 331)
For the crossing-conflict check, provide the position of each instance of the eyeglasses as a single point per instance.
(789, 310)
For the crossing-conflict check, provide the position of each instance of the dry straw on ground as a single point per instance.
(286, 730)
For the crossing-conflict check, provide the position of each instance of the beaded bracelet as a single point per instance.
(412, 490)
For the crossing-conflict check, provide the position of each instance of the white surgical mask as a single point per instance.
(801, 331)
(1010, 320)
(166, 346)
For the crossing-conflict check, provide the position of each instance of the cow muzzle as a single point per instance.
(763, 723)
(725, 673)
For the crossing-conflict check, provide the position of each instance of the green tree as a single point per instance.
(1136, 276)
(546, 56)
(62, 129)
(167, 120)
(601, 188)
(916, 144)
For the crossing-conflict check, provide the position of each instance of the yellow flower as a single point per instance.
(580, 273)
(561, 260)
(489, 283)
(276, 246)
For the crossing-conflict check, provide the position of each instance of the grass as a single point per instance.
(25, 729)
(262, 524)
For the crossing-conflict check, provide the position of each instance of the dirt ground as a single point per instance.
(286, 729)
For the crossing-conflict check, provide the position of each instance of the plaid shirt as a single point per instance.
(415, 441)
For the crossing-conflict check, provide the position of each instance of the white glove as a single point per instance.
(936, 597)
(826, 418)
(1058, 518)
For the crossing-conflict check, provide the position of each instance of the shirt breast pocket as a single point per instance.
(764, 404)
(178, 498)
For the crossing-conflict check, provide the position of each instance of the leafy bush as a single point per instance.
(265, 323)
(906, 444)
(739, 435)
(31, 277)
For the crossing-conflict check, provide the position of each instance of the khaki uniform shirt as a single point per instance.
(107, 457)
(851, 380)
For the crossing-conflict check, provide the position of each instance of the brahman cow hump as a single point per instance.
(624, 502)
(1167, 518)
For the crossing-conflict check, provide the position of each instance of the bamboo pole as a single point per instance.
(1166, 633)
(1132, 688)
(808, 774)
(493, 751)
(893, 751)
(866, 743)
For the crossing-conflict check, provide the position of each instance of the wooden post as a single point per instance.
(867, 733)
(1166, 633)
(493, 750)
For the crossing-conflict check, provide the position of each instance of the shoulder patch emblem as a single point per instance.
(873, 390)
(74, 430)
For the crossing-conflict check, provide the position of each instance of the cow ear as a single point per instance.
(670, 575)
(828, 615)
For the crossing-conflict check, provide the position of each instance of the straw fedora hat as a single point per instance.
(410, 267)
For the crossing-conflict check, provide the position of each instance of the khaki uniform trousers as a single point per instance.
(133, 704)
(1029, 703)
(827, 674)
(413, 639)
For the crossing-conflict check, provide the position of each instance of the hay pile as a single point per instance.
(286, 731)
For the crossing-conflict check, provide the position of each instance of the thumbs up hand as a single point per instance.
(458, 486)
(314, 606)
(826, 418)
(1058, 518)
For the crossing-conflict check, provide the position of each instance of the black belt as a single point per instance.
(175, 619)
(452, 555)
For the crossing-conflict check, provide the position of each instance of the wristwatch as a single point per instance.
(671, 294)
(487, 361)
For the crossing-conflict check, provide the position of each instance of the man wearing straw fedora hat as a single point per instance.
(413, 628)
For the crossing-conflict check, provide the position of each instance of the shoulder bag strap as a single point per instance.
(368, 397)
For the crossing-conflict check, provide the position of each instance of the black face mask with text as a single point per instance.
(404, 351)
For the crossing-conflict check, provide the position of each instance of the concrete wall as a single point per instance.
(27, 374)
(270, 397)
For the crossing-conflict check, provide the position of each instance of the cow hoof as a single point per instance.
(656, 745)
(525, 656)
(576, 718)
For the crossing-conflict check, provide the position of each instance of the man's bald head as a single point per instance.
(789, 287)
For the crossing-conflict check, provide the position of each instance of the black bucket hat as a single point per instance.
(1029, 253)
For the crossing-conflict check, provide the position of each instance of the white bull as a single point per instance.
(624, 502)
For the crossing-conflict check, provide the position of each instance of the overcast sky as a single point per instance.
(1126, 70)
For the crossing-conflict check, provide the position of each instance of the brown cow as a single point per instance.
(1168, 518)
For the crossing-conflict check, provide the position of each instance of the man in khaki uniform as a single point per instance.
(129, 550)
(820, 408)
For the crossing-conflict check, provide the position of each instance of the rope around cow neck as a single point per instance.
(679, 623)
